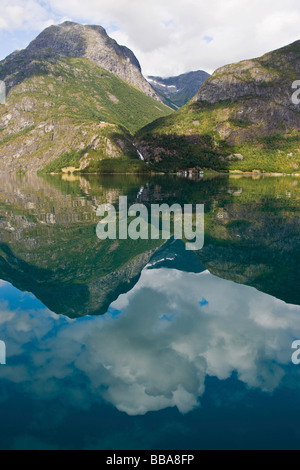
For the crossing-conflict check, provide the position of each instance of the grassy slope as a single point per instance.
(91, 93)
(79, 93)
(197, 130)
(188, 140)
(191, 133)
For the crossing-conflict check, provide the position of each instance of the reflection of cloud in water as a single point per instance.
(156, 345)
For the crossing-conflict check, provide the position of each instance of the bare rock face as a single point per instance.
(261, 89)
(265, 77)
(74, 40)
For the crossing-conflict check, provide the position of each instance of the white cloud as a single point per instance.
(158, 352)
(170, 37)
(22, 14)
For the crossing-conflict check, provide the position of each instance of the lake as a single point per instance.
(142, 344)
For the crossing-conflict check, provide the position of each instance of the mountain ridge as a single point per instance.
(71, 39)
(65, 111)
(176, 91)
(242, 119)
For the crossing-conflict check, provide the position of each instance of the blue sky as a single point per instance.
(168, 36)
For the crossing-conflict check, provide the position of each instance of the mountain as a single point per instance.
(242, 118)
(177, 91)
(173, 255)
(48, 243)
(75, 97)
(75, 40)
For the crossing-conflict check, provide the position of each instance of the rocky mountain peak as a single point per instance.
(177, 91)
(71, 39)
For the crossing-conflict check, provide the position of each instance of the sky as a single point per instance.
(168, 37)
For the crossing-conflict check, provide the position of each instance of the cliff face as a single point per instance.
(243, 117)
(75, 40)
(256, 77)
(262, 91)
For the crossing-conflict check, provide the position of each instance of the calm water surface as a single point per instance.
(141, 344)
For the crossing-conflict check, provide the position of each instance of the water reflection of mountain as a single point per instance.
(256, 247)
(252, 231)
(49, 247)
